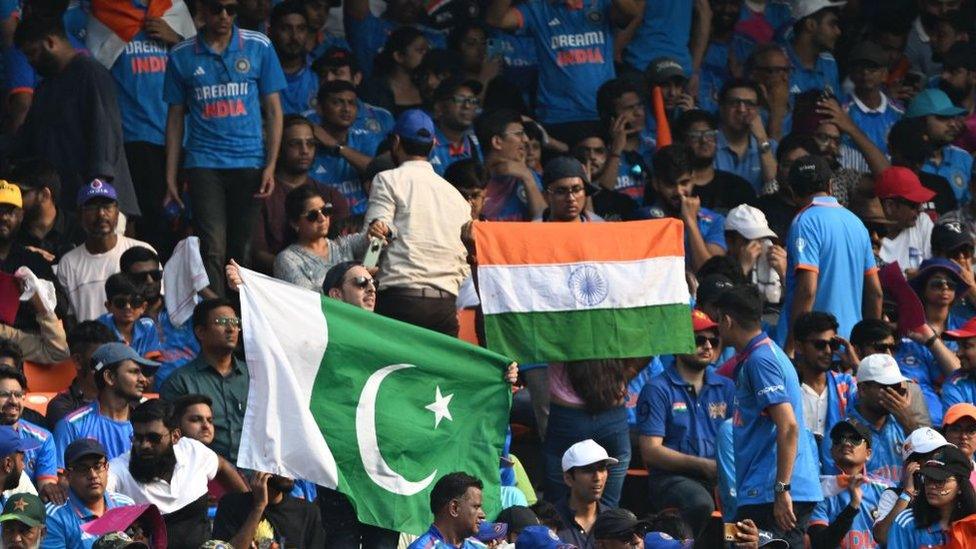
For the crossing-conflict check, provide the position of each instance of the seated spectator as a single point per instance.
(194, 415)
(126, 305)
(868, 107)
(455, 502)
(48, 227)
(22, 522)
(288, 30)
(337, 63)
(511, 194)
(672, 187)
(83, 271)
(591, 150)
(769, 66)
(367, 33)
(751, 246)
(456, 105)
(942, 126)
(718, 190)
(882, 405)
(679, 414)
(744, 148)
(957, 80)
(623, 117)
(959, 427)
(13, 454)
(170, 472)
(617, 528)
(911, 148)
(83, 341)
(216, 373)
(951, 240)
(121, 377)
(469, 177)
(669, 75)
(46, 344)
(518, 518)
(41, 463)
(782, 206)
(947, 497)
(391, 85)
(844, 519)
(584, 467)
(908, 240)
(567, 187)
(960, 385)
(86, 468)
(268, 513)
(311, 254)
(916, 451)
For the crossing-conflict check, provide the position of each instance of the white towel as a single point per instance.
(183, 277)
(33, 285)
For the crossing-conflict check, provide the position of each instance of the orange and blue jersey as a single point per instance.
(960, 387)
(765, 377)
(444, 153)
(841, 393)
(145, 338)
(88, 422)
(506, 199)
(222, 94)
(20, 76)
(64, 521)
(433, 538)
(41, 463)
(178, 345)
(574, 43)
(368, 35)
(904, 534)
(139, 72)
(860, 535)
(664, 32)
(831, 241)
(886, 445)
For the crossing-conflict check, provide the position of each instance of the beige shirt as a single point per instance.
(426, 215)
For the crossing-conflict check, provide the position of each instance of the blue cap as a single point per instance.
(81, 448)
(932, 102)
(490, 531)
(931, 266)
(96, 189)
(660, 540)
(415, 125)
(11, 442)
(113, 353)
(540, 537)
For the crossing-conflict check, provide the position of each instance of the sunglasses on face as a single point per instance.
(362, 282)
(960, 429)
(151, 438)
(123, 301)
(155, 275)
(884, 347)
(228, 321)
(822, 344)
(852, 439)
(701, 340)
(941, 284)
(216, 8)
(313, 215)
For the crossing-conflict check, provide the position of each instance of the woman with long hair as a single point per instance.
(311, 253)
(946, 496)
(392, 85)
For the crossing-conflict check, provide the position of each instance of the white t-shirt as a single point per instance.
(196, 465)
(911, 246)
(83, 276)
(814, 409)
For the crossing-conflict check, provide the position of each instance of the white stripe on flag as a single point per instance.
(582, 286)
(285, 336)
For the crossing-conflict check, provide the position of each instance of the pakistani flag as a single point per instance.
(373, 407)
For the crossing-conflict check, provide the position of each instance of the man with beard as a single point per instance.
(171, 472)
(826, 393)
(743, 146)
(268, 513)
(815, 33)
(958, 81)
(83, 341)
(121, 376)
(455, 502)
(716, 66)
(618, 102)
(22, 522)
(456, 104)
(74, 120)
(216, 373)
(918, 48)
(718, 190)
(678, 415)
(40, 464)
(288, 34)
(47, 228)
(943, 123)
(86, 467)
(672, 185)
(12, 457)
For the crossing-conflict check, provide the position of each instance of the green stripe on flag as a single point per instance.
(591, 334)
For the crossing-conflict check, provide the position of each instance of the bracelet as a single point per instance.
(930, 341)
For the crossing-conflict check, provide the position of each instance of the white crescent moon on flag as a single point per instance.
(369, 451)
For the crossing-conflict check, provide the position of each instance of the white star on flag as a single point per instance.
(439, 407)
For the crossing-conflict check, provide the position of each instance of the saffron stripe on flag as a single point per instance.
(594, 333)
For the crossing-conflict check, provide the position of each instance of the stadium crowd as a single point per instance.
(819, 155)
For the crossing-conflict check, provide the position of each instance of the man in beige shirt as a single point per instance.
(421, 270)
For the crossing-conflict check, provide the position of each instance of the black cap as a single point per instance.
(948, 236)
(517, 517)
(851, 426)
(868, 53)
(711, 287)
(946, 462)
(961, 55)
(450, 86)
(663, 69)
(562, 167)
(810, 171)
(81, 448)
(334, 276)
(618, 524)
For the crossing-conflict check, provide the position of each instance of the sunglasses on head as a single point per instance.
(134, 301)
(700, 341)
(822, 344)
(216, 7)
(313, 215)
(362, 282)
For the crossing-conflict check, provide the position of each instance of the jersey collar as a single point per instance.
(236, 43)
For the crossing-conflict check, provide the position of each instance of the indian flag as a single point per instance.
(578, 291)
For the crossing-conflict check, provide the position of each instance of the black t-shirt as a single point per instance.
(294, 520)
(945, 198)
(779, 213)
(724, 192)
(614, 206)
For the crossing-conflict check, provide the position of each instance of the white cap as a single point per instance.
(803, 8)
(749, 222)
(922, 441)
(585, 453)
(880, 368)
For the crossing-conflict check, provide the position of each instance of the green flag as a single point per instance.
(378, 408)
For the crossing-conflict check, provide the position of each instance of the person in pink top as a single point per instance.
(959, 428)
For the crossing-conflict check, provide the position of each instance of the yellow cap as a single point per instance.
(10, 194)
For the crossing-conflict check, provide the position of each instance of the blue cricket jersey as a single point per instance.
(886, 444)
(960, 387)
(748, 167)
(41, 463)
(88, 422)
(903, 533)
(336, 171)
(299, 95)
(139, 72)
(222, 94)
(875, 123)
(956, 167)
(444, 153)
(860, 535)
(64, 521)
(367, 37)
(664, 32)
(145, 338)
(823, 75)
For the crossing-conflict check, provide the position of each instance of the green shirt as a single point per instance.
(229, 395)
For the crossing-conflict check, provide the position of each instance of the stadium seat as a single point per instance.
(38, 402)
(49, 377)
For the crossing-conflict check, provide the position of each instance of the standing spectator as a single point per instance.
(770, 67)
(918, 49)
(397, 83)
(719, 57)
(718, 190)
(289, 33)
(514, 192)
(49, 228)
(869, 108)
(744, 148)
(74, 120)
(420, 283)
(40, 463)
(961, 385)
(911, 148)
(86, 467)
(909, 240)
(815, 33)
(121, 377)
(216, 373)
(621, 111)
(83, 340)
(456, 104)
(777, 490)
(664, 31)
(170, 472)
(679, 414)
(368, 33)
(942, 126)
(455, 502)
(224, 82)
(22, 522)
(82, 272)
(575, 55)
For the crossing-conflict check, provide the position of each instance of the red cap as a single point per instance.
(965, 331)
(700, 321)
(900, 182)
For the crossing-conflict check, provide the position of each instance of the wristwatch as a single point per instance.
(781, 487)
(765, 147)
